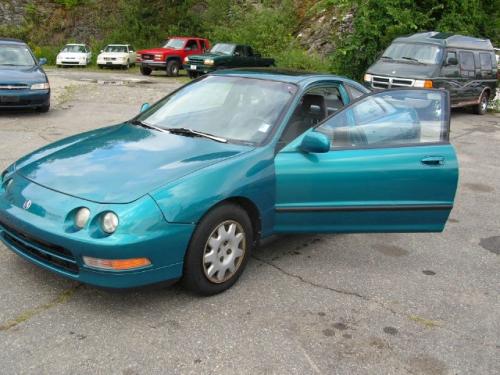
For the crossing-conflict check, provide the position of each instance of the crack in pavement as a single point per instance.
(316, 285)
(24, 316)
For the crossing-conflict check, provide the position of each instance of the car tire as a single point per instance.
(100, 66)
(127, 65)
(193, 75)
(44, 108)
(173, 67)
(482, 107)
(145, 71)
(201, 275)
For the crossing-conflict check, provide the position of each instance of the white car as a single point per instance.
(122, 55)
(74, 54)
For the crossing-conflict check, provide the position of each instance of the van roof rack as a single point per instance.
(448, 40)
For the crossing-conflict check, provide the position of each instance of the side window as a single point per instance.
(485, 60)
(203, 46)
(354, 93)
(192, 45)
(249, 51)
(391, 119)
(239, 51)
(451, 57)
(467, 65)
(316, 105)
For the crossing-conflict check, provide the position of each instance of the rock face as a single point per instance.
(12, 12)
(317, 34)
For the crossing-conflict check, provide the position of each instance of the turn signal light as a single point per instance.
(427, 84)
(116, 264)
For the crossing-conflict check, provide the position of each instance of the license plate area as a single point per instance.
(9, 99)
(193, 67)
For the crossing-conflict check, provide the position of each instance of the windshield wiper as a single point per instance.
(196, 133)
(411, 59)
(387, 57)
(144, 125)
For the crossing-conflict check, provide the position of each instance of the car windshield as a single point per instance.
(235, 108)
(73, 48)
(174, 44)
(115, 49)
(223, 49)
(420, 53)
(16, 56)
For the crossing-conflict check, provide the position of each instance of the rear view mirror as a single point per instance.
(315, 142)
(451, 61)
(145, 107)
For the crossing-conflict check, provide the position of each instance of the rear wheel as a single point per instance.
(218, 251)
(482, 107)
(173, 67)
(145, 71)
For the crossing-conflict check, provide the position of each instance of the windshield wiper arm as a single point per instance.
(411, 59)
(148, 126)
(196, 133)
(387, 57)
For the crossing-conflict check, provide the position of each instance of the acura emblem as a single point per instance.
(27, 204)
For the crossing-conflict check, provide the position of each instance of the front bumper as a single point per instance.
(103, 62)
(71, 63)
(154, 64)
(26, 98)
(202, 69)
(41, 235)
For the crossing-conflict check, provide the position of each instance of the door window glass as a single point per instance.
(391, 119)
(485, 59)
(467, 61)
(450, 56)
(191, 45)
(239, 51)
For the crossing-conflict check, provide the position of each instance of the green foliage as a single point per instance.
(70, 3)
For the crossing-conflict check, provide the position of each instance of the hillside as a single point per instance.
(336, 35)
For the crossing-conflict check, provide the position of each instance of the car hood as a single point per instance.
(13, 74)
(159, 50)
(213, 56)
(402, 69)
(122, 163)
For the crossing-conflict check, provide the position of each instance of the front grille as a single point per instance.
(379, 82)
(148, 57)
(52, 254)
(195, 61)
(70, 62)
(13, 86)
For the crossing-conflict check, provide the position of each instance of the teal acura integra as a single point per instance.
(186, 189)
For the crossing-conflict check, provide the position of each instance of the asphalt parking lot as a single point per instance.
(306, 304)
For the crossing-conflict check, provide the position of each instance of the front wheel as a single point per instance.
(44, 108)
(482, 107)
(219, 250)
(173, 67)
(145, 71)
(192, 75)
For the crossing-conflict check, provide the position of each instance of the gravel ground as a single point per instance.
(307, 304)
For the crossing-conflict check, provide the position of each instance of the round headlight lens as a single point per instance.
(109, 222)
(82, 217)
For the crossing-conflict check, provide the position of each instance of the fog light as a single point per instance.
(109, 222)
(116, 264)
(82, 217)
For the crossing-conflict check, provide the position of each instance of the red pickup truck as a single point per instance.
(171, 56)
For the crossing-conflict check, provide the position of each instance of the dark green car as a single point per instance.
(224, 56)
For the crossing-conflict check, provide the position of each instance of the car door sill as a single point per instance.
(405, 207)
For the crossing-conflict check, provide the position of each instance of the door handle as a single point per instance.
(433, 160)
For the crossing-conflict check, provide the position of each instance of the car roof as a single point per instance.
(11, 41)
(185, 37)
(447, 40)
(300, 78)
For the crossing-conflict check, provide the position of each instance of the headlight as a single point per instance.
(208, 62)
(368, 77)
(186, 59)
(40, 86)
(158, 57)
(427, 84)
(82, 217)
(109, 222)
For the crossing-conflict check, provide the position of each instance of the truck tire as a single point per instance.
(145, 71)
(482, 107)
(173, 67)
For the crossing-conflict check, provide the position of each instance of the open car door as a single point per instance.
(382, 164)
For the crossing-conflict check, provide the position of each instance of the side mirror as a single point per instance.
(451, 61)
(145, 107)
(42, 61)
(315, 142)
